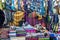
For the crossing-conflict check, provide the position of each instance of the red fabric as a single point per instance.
(32, 38)
(43, 24)
(58, 32)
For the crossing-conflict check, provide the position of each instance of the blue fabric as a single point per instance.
(12, 7)
(19, 5)
(50, 11)
(8, 6)
(52, 35)
(55, 19)
(25, 7)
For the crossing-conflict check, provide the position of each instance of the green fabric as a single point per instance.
(55, 27)
(0, 38)
(43, 38)
(21, 32)
(49, 19)
(0, 5)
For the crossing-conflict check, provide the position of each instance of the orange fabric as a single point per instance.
(33, 14)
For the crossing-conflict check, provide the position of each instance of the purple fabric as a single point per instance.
(20, 34)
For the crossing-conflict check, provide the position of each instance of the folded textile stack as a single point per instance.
(17, 38)
(32, 38)
(20, 32)
(4, 33)
(12, 33)
(43, 38)
(29, 29)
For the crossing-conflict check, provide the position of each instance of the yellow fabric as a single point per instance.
(59, 10)
(1, 5)
(18, 17)
(39, 16)
(16, 24)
